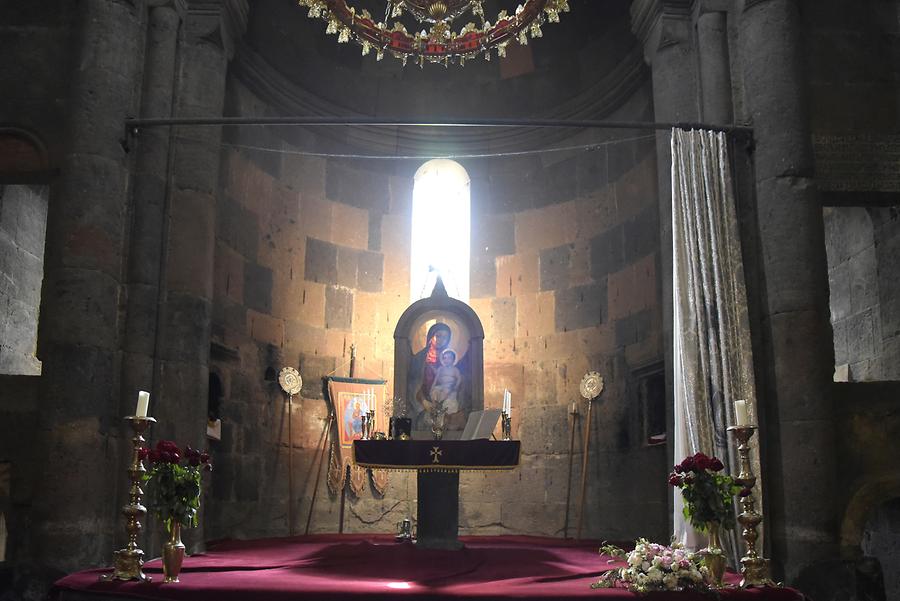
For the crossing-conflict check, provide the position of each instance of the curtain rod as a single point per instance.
(133, 125)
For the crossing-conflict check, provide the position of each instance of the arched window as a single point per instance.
(440, 230)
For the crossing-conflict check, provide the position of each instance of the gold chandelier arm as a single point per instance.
(440, 44)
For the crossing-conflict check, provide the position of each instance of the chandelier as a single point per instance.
(437, 41)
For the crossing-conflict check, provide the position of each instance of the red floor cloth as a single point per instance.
(375, 568)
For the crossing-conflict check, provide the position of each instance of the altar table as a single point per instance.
(357, 567)
(437, 464)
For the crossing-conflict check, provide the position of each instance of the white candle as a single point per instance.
(740, 413)
(574, 407)
(143, 404)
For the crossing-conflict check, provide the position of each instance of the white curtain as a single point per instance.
(713, 357)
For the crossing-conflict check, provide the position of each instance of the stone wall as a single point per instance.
(19, 416)
(853, 99)
(882, 540)
(312, 255)
(39, 36)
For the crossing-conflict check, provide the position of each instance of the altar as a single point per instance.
(437, 464)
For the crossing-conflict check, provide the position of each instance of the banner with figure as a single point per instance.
(350, 400)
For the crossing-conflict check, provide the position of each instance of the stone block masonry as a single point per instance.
(547, 244)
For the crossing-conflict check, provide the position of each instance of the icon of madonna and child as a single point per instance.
(437, 382)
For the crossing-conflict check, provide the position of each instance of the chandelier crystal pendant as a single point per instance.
(438, 41)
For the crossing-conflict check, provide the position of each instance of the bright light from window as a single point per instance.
(440, 230)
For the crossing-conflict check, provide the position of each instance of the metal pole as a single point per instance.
(344, 481)
(584, 466)
(352, 360)
(574, 415)
(133, 125)
(290, 465)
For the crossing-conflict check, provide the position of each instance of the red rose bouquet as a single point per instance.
(708, 494)
(174, 482)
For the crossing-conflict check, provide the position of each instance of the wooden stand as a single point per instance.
(584, 466)
(574, 415)
(322, 449)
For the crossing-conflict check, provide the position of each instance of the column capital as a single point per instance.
(221, 23)
(661, 23)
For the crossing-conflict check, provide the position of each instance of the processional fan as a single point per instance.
(291, 383)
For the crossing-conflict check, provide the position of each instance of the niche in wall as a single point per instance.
(23, 226)
(863, 248)
(650, 394)
(216, 395)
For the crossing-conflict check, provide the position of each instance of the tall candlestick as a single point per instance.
(143, 404)
(741, 416)
(128, 562)
(754, 568)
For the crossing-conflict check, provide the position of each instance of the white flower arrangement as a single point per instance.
(654, 567)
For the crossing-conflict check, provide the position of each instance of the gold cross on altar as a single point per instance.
(436, 455)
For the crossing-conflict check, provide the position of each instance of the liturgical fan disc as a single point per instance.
(591, 385)
(290, 380)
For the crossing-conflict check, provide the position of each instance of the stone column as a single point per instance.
(666, 30)
(75, 516)
(150, 189)
(799, 429)
(186, 309)
(715, 70)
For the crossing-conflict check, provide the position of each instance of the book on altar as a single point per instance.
(481, 424)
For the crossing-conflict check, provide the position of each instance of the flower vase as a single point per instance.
(714, 557)
(173, 553)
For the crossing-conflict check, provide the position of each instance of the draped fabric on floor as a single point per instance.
(713, 357)
(376, 568)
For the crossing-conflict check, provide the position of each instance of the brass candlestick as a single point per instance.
(754, 569)
(128, 562)
(505, 426)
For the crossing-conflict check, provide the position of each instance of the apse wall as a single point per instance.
(312, 256)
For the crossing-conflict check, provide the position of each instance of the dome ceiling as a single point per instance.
(584, 67)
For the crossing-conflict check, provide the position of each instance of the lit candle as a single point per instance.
(143, 404)
(740, 413)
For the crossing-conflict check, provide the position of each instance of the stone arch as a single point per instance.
(867, 497)
(22, 153)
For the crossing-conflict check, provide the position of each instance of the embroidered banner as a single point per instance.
(351, 399)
